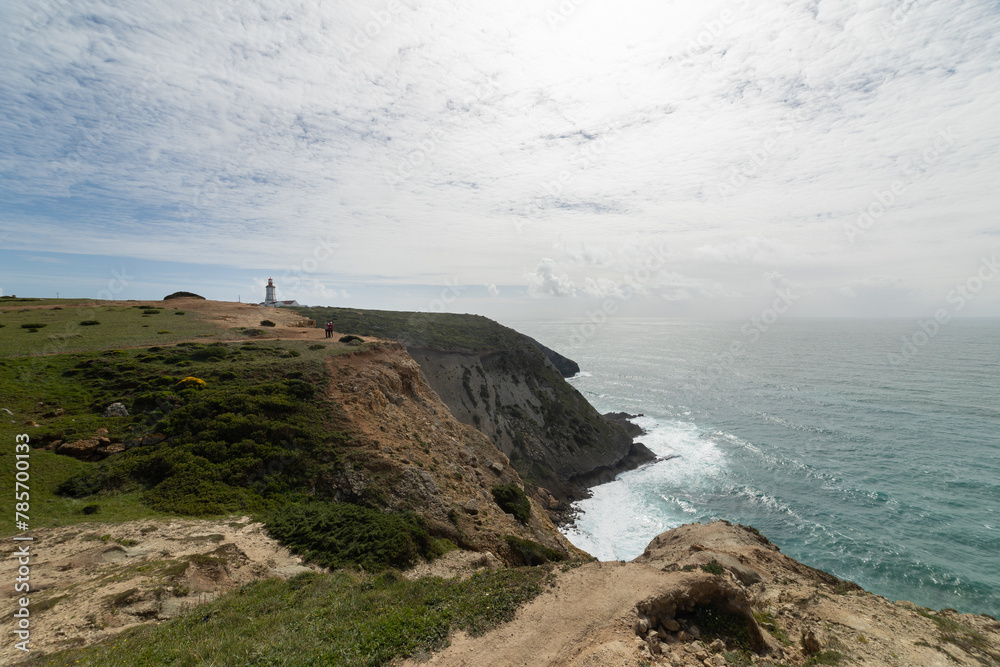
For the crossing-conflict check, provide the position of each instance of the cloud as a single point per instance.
(544, 282)
(492, 289)
(750, 249)
(244, 136)
(601, 288)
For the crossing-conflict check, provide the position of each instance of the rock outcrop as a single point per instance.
(717, 595)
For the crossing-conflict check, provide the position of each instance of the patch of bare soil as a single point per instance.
(91, 581)
(648, 612)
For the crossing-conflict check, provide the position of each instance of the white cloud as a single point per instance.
(545, 282)
(249, 134)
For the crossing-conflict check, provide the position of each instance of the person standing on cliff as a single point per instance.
(329, 329)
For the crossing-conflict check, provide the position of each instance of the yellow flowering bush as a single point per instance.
(191, 381)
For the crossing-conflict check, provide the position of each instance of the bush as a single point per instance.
(533, 553)
(32, 326)
(191, 381)
(512, 500)
(317, 346)
(89, 323)
(178, 312)
(267, 323)
(713, 567)
(164, 331)
(351, 339)
(342, 534)
(151, 311)
(91, 509)
(182, 295)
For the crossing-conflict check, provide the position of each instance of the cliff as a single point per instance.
(410, 453)
(720, 595)
(512, 389)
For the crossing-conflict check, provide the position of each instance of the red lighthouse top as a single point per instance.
(270, 283)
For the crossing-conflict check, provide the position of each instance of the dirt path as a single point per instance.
(586, 618)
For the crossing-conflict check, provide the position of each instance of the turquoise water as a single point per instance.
(884, 474)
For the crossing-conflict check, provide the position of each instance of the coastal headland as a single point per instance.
(224, 483)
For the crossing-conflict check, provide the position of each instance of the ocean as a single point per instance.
(853, 451)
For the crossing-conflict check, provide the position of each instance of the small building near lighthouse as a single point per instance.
(271, 301)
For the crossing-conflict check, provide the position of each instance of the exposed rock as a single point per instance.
(81, 449)
(810, 643)
(624, 420)
(566, 366)
(115, 410)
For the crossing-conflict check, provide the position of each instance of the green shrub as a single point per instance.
(533, 553)
(713, 567)
(164, 331)
(317, 346)
(32, 326)
(178, 312)
(341, 534)
(91, 509)
(267, 323)
(512, 500)
(351, 339)
(89, 323)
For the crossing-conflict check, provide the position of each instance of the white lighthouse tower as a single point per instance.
(269, 299)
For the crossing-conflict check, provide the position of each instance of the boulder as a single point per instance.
(811, 643)
(81, 449)
(115, 410)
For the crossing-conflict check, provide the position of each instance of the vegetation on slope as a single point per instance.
(440, 331)
(342, 618)
(212, 428)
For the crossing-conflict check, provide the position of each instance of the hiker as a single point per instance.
(329, 329)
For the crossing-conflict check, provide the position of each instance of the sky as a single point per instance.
(535, 159)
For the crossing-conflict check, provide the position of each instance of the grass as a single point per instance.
(343, 618)
(767, 620)
(67, 330)
(235, 444)
(444, 331)
(961, 635)
(48, 509)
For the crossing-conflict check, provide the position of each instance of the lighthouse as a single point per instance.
(269, 299)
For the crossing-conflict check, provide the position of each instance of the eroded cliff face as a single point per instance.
(411, 453)
(553, 437)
